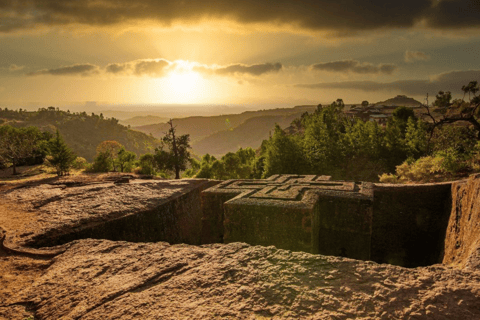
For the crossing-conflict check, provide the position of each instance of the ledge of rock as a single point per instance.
(108, 210)
(101, 279)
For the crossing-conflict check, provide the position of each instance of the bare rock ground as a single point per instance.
(100, 279)
(64, 205)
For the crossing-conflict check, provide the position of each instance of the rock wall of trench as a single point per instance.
(409, 223)
(462, 241)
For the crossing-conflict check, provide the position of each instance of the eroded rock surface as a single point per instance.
(100, 279)
(462, 243)
(62, 210)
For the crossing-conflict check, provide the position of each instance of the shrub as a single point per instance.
(80, 163)
(388, 178)
(102, 163)
(147, 164)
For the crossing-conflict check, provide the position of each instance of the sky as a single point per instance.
(235, 52)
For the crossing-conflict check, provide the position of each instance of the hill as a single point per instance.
(201, 127)
(400, 100)
(80, 131)
(250, 133)
(142, 120)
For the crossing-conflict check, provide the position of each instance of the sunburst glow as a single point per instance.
(184, 83)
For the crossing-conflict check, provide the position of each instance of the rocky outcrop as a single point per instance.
(462, 242)
(146, 279)
(140, 210)
(100, 279)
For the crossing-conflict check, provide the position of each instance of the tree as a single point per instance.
(322, 142)
(173, 154)
(102, 163)
(125, 159)
(109, 150)
(458, 110)
(206, 167)
(443, 99)
(17, 144)
(338, 104)
(415, 138)
(365, 104)
(283, 154)
(147, 164)
(61, 156)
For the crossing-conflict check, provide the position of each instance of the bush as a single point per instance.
(442, 165)
(452, 161)
(146, 164)
(102, 163)
(388, 178)
(80, 163)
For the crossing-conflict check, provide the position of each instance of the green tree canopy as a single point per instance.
(110, 150)
(125, 159)
(61, 156)
(18, 144)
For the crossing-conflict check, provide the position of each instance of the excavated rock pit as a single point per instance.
(104, 279)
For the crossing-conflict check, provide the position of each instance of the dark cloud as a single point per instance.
(450, 81)
(239, 69)
(343, 17)
(152, 67)
(148, 67)
(454, 14)
(156, 67)
(77, 69)
(254, 70)
(412, 56)
(116, 68)
(355, 67)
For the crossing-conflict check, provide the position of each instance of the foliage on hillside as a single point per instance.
(328, 143)
(21, 146)
(80, 131)
(331, 144)
(239, 165)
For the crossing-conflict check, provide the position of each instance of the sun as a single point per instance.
(185, 85)
(182, 85)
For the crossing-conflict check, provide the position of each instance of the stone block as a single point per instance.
(296, 212)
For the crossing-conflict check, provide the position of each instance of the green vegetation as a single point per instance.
(107, 156)
(61, 156)
(19, 146)
(406, 149)
(125, 159)
(327, 143)
(238, 165)
(324, 142)
(81, 132)
(147, 164)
